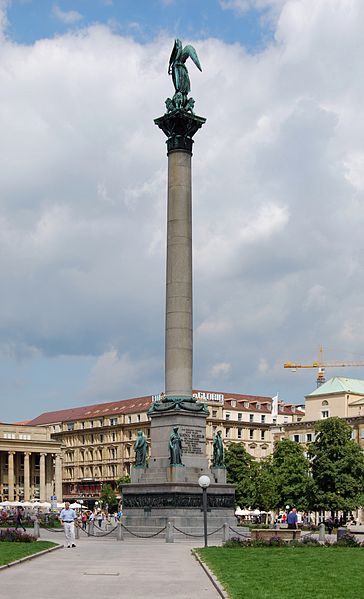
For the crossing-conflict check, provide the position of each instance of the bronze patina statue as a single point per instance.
(218, 451)
(175, 448)
(180, 77)
(141, 450)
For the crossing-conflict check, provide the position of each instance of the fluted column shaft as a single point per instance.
(26, 476)
(42, 477)
(11, 475)
(58, 477)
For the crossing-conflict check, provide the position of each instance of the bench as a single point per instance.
(286, 534)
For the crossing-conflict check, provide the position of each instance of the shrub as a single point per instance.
(15, 536)
(348, 540)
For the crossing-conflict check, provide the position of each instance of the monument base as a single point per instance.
(148, 506)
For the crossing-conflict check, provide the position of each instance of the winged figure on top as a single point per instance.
(181, 81)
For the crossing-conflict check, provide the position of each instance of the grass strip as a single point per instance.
(10, 552)
(288, 572)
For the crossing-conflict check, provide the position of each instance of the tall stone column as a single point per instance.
(26, 476)
(179, 126)
(58, 477)
(42, 477)
(11, 475)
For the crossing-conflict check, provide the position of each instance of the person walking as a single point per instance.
(18, 519)
(330, 525)
(292, 519)
(68, 517)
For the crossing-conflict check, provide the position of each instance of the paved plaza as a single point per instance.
(132, 569)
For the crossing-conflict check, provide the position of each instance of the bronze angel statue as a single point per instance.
(180, 78)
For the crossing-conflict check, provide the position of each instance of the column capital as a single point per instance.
(11, 452)
(27, 453)
(180, 126)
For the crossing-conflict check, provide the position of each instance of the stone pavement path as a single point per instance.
(106, 568)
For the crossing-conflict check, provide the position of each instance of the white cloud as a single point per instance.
(66, 16)
(112, 372)
(221, 370)
(277, 192)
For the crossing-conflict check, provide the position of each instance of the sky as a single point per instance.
(278, 190)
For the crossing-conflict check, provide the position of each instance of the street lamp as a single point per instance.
(204, 482)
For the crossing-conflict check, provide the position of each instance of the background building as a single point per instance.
(97, 441)
(30, 463)
(339, 396)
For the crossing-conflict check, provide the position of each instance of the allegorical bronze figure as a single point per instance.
(141, 450)
(175, 448)
(180, 77)
(218, 451)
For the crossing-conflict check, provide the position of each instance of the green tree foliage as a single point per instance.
(337, 464)
(292, 481)
(241, 471)
(108, 498)
(123, 480)
(266, 496)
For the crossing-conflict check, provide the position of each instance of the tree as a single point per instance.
(337, 464)
(123, 480)
(266, 496)
(241, 471)
(108, 498)
(291, 471)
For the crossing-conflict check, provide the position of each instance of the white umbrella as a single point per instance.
(44, 504)
(27, 504)
(75, 505)
(60, 505)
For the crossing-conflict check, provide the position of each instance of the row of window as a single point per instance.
(252, 433)
(113, 421)
(94, 472)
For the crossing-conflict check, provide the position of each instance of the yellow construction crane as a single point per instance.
(321, 365)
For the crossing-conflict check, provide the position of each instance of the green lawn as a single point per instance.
(288, 573)
(9, 551)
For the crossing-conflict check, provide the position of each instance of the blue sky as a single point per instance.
(278, 196)
(142, 19)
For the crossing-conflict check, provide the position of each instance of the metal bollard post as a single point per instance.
(119, 533)
(225, 533)
(321, 533)
(36, 531)
(169, 533)
(341, 531)
(77, 532)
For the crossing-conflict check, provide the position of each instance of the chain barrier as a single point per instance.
(188, 534)
(246, 535)
(143, 536)
(41, 525)
(90, 534)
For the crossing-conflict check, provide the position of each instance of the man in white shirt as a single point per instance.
(68, 517)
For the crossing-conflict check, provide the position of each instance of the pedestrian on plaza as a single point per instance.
(292, 518)
(18, 519)
(330, 525)
(84, 520)
(68, 518)
(99, 519)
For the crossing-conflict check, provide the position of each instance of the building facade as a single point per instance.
(30, 463)
(341, 397)
(97, 441)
